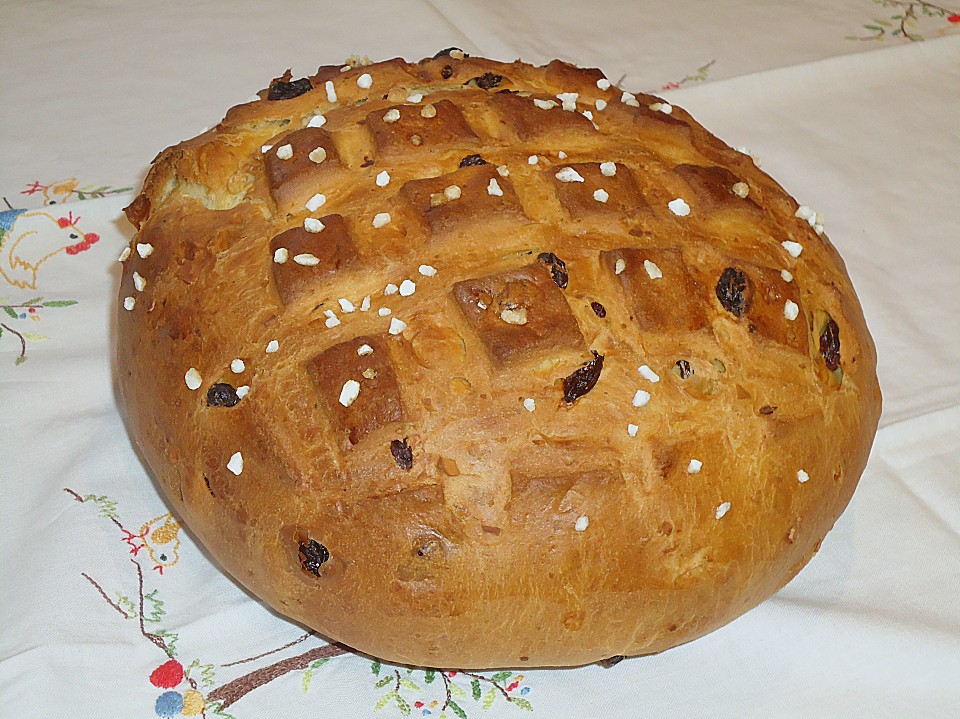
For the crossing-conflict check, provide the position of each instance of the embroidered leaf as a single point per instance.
(475, 689)
(216, 707)
(9, 310)
(457, 710)
(207, 675)
(429, 676)
(384, 700)
(308, 674)
(34, 337)
(108, 507)
(522, 703)
(127, 605)
(59, 303)
(34, 301)
(375, 667)
(500, 676)
(404, 682)
(384, 681)
(403, 706)
(457, 691)
(489, 698)
(158, 612)
(20, 360)
(171, 640)
(206, 672)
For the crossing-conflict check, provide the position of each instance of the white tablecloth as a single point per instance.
(109, 609)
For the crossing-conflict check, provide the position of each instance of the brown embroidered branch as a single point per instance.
(306, 636)
(446, 686)
(103, 594)
(154, 638)
(23, 341)
(232, 691)
(158, 640)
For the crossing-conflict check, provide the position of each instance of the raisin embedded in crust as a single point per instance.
(471, 160)
(280, 90)
(734, 291)
(447, 72)
(487, 81)
(558, 268)
(583, 379)
(684, 369)
(312, 556)
(598, 309)
(830, 345)
(222, 395)
(402, 453)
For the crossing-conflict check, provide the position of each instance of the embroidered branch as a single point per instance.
(232, 691)
(306, 636)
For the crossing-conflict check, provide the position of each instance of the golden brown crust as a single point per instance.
(485, 476)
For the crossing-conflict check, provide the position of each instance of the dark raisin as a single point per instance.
(471, 160)
(447, 72)
(280, 90)
(611, 661)
(312, 556)
(402, 453)
(685, 369)
(734, 290)
(366, 162)
(222, 395)
(830, 345)
(446, 52)
(598, 309)
(583, 379)
(487, 81)
(558, 268)
(767, 409)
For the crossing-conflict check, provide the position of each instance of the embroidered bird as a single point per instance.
(29, 238)
(161, 538)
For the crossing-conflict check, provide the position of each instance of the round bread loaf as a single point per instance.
(471, 364)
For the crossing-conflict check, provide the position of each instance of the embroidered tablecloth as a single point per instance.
(109, 609)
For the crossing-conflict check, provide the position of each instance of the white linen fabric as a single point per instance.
(109, 609)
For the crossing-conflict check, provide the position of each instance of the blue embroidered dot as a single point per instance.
(169, 704)
(524, 691)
